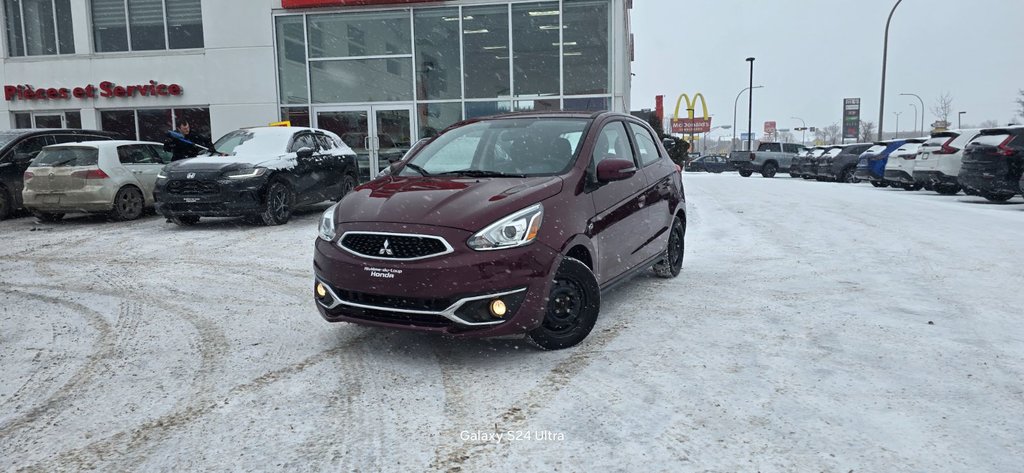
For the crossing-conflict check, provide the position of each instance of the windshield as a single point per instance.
(250, 142)
(518, 147)
(66, 157)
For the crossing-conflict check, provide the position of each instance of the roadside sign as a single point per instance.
(691, 125)
(769, 127)
(851, 118)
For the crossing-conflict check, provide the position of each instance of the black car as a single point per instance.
(259, 173)
(715, 164)
(992, 164)
(841, 167)
(18, 148)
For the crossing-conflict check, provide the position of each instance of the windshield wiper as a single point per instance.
(423, 172)
(478, 173)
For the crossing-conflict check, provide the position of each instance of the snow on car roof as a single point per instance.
(102, 144)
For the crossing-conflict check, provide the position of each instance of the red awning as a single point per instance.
(336, 3)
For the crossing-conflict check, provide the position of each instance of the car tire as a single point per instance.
(912, 187)
(879, 184)
(6, 203)
(993, 197)
(185, 220)
(128, 204)
(571, 309)
(949, 189)
(847, 176)
(746, 173)
(674, 252)
(47, 217)
(277, 205)
(347, 184)
(769, 170)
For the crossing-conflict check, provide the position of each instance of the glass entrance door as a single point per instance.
(379, 134)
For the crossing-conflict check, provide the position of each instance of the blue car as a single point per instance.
(871, 164)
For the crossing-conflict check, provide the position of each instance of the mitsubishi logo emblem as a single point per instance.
(190, 175)
(386, 250)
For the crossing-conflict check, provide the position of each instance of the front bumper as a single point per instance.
(215, 198)
(444, 294)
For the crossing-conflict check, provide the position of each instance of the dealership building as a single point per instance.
(379, 73)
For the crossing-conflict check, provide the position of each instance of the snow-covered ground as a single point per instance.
(815, 327)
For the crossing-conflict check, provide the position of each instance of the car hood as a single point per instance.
(227, 163)
(465, 203)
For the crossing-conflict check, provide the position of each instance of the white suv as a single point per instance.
(899, 170)
(939, 161)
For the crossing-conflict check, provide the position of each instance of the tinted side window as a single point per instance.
(325, 142)
(645, 145)
(613, 143)
(29, 148)
(138, 154)
(305, 140)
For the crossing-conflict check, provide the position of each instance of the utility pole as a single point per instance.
(885, 58)
(750, 107)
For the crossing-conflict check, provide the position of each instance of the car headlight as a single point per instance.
(327, 232)
(245, 173)
(516, 230)
(162, 175)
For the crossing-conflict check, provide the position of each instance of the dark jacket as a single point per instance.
(183, 149)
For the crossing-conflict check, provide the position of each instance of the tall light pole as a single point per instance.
(693, 146)
(885, 58)
(915, 116)
(959, 125)
(732, 144)
(897, 124)
(922, 109)
(750, 107)
(803, 124)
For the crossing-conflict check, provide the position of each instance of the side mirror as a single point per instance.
(305, 152)
(613, 169)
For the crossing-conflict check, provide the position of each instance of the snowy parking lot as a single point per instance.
(815, 327)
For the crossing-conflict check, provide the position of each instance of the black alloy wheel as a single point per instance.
(348, 183)
(673, 262)
(847, 176)
(947, 189)
(572, 307)
(128, 204)
(769, 170)
(996, 197)
(746, 173)
(879, 184)
(278, 204)
(185, 220)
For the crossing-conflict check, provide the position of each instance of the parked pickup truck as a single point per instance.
(767, 160)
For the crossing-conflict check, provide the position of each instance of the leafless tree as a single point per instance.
(833, 133)
(867, 131)
(988, 124)
(943, 107)
(1020, 103)
(786, 136)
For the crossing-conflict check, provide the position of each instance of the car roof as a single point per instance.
(31, 131)
(103, 144)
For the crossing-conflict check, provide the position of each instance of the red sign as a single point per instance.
(343, 3)
(769, 127)
(691, 125)
(107, 90)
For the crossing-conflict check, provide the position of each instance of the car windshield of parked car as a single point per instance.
(876, 149)
(66, 157)
(508, 147)
(249, 142)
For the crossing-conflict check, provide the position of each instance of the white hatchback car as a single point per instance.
(899, 170)
(940, 158)
(94, 176)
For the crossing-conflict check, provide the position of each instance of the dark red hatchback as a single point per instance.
(504, 226)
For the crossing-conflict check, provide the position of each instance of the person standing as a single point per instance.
(184, 144)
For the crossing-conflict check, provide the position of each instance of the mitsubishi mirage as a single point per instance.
(504, 226)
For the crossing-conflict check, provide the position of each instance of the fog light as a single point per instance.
(320, 290)
(498, 308)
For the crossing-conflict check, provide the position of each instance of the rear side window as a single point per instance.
(769, 147)
(138, 154)
(791, 148)
(325, 142)
(835, 152)
(645, 145)
(302, 141)
(30, 148)
(67, 157)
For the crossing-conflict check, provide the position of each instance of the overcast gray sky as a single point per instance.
(813, 53)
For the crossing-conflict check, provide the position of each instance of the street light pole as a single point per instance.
(885, 58)
(959, 125)
(750, 107)
(897, 124)
(803, 124)
(915, 116)
(732, 144)
(922, 109)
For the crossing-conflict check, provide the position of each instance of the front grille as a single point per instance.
(394, 246)
(192, 187)
(397, 318)
(394, 302)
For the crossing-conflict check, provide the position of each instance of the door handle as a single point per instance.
(642, 200)
(366, 143)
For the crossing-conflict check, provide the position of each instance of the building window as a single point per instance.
(152, 124)
(298, 116)
(586, 47)
(291, 60)
(438, 65)
(486, 51)
(39, 27)
(535, 48)
(147, 25)
(48, 119)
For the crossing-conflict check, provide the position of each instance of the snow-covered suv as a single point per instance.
(940, 159)
(505, 226)
(899, 171)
